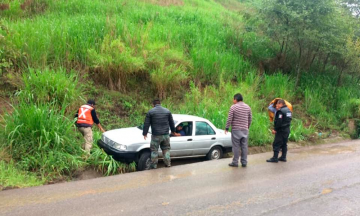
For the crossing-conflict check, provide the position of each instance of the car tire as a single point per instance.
(144, 161)
(215, 153)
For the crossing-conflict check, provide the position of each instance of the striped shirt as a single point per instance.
(239, 116)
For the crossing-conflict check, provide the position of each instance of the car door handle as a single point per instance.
(189, 140)
(214, 138)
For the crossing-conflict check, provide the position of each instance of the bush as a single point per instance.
(277, 85)
(168, 70)
(37, 133)
(40, 139)
(57, 88)
(115, 62)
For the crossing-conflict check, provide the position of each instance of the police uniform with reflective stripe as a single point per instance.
(282, 123)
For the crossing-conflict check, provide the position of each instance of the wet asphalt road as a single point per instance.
(320, 180)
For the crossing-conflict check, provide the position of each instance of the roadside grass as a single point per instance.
(105, 163)
(39, 134)
(10, 176)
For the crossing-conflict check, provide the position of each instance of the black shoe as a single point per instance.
(243, 165)
(167, 166)
(282, 159)
(272, 160)
(233, 165)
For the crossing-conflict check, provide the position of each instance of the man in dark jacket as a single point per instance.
(281, 130)
(160, 119)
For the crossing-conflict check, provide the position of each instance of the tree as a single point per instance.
(308, 31)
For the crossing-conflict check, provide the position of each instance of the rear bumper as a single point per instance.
(122, 156)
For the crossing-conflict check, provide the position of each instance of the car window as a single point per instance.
(203, 128)
(187, 128)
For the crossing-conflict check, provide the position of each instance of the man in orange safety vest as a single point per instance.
(86, 117)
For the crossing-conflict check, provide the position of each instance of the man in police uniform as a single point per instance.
(86, 117)
(281, 130)
(160, 119)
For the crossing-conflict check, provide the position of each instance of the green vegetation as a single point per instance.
(193, 54)
(10, 176)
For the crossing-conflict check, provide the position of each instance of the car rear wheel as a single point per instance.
(215, 153)
(144, 161)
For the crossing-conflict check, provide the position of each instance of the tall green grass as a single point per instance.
(278, 86)
(41, 139)
(65, 34)
(105, 163)
(38, 134)
(330, 103)
(10, 176)
(55, 87)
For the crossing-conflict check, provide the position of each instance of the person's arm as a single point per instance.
(96, 120)
(278, 120)
(146, 125)
(100, 128)
(176, 134)
(229, 120)
(249, 119)
(171, 123)
(272, 108)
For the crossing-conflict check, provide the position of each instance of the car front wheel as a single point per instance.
(144, 161)
(215, 153)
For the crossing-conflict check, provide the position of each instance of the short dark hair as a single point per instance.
(281, 101)
(91, 102)
(238, 97)
(156, 101)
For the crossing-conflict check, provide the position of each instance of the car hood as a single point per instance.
(126, 136)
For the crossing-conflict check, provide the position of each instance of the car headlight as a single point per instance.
(104, 139)
(113, 144)
(120, 146)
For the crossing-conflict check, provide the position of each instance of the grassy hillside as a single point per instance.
(193, 54)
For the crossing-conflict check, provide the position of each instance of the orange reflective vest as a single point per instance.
(271, 114)
(84, 115)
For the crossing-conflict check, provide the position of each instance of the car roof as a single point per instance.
(183, 117)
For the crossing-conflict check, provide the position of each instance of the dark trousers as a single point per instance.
(280, 142)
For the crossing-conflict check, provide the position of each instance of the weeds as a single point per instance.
(10, 176)
(105, 163)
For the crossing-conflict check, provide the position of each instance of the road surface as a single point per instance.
(318, 180)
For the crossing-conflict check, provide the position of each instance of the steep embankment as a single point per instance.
(194, 55)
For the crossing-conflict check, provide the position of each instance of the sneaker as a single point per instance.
(282, 159)
(272, 160)
(243, 165)
(233, 165)
(167, 166)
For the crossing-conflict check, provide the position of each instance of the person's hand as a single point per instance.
(273, 132)
(226, 132)
(145, 137)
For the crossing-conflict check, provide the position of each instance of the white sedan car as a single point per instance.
(201, 139)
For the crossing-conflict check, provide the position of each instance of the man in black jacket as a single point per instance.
(160, 119)
(281, 130)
